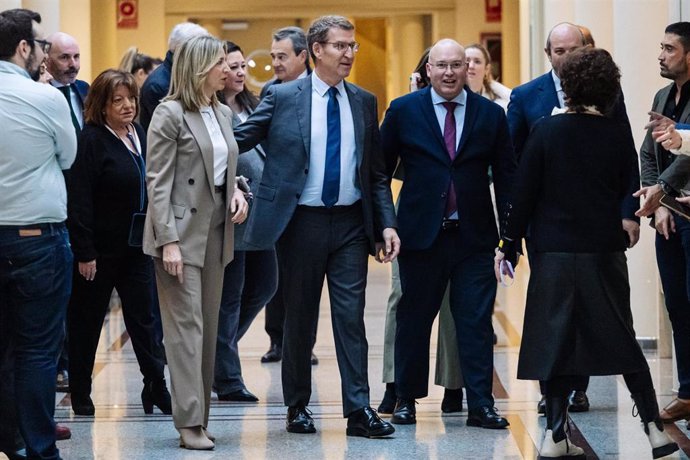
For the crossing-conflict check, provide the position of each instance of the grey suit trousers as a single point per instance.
(189, 313)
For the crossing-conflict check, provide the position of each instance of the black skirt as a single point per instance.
(578, 319)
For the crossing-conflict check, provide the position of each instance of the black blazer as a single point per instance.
(411, 132)
(103, 192)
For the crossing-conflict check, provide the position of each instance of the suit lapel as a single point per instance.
(198, 129)
(303, 104)
(548, 96)
(429, 115)
(471, 108)
(358, 120)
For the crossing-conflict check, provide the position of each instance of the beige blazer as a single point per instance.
(179, 181)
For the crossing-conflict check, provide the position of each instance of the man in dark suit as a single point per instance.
(63, 63)
(157, 84)
(290, 61)
(324, 198)
(447, 138)
(537, 99)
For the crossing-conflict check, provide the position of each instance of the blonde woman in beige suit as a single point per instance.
(193, 204)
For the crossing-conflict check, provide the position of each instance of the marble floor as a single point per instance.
(121, 430)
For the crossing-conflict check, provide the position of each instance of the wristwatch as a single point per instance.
(667, 189)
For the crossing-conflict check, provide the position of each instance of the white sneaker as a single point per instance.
(563, 448)
(661, 443)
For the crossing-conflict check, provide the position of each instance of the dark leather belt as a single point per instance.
(220, 188)
(450, 224)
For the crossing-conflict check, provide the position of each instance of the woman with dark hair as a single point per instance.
(106, 206)
(251, 278)
(138, 64)
(573, 175)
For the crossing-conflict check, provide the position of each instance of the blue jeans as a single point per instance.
(673, 259)
(35, 285)
(249, 282)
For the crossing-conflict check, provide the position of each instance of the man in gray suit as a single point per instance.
(325, 200)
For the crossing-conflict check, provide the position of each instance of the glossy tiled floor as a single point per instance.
(120, 430)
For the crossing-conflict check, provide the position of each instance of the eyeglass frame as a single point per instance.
(443, 66)
(45, 44)
(354, 46)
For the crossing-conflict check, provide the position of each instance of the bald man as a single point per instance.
(63, 64)
(447, 137)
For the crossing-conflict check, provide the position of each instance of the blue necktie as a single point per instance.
(331, 176)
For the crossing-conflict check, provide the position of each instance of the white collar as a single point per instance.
(321, 87)
(460, 99)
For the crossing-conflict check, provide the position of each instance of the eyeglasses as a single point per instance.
(342, 46)
(45, 44)
(442, 66)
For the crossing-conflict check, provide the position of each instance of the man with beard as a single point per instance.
(63, 64)
(35, 258)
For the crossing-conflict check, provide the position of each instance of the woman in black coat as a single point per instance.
(106, 209)
(572, 178)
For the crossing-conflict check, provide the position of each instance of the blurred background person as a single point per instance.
(192, 194)
(480, 78)
(138, 64)
(251, 278)
(107, 202)
(578, 320)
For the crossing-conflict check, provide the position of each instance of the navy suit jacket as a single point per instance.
(282, 124)
(154, 89)
(411, 133)
(533, 101)
(82, 90)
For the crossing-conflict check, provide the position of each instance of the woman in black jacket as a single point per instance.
(572, 178)
(106, 209)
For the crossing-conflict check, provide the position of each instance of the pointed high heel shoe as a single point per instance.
(156, 394)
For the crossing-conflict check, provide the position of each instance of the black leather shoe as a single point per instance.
(314, 359)
(541, 406)
(299, 420)
(366, 422)
(452, 401)
(155, 393)
(387, 405)
(405, 412)
(82, 404)
(273, 355)
(578, 401)
(486, 417)
(242, 395)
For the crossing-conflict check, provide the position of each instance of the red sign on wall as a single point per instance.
(493, 10)
(127, 14)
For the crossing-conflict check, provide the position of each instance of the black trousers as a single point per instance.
(131, 274)
(324, 243)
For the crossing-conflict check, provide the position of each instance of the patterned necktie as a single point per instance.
(449, 139)
(331, 176)
(65, 90)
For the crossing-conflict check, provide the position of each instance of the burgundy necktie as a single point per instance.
(449, 138)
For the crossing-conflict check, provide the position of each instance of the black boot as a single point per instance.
(155, 393)
(556, 443)
(648, 409)
(387, 405)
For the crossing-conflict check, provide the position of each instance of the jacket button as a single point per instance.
(306, 171)
(193, 210)
(443, 195)
(190, 181)
(297, 195)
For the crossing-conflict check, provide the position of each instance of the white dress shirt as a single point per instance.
(220, 147)
(349, 192)
(461, 104)
(559, 89)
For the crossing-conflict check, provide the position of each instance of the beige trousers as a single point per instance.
(189, 313)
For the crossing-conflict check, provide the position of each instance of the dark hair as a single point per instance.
(245, 98)
(318, 32)
(101, 93)
(296, 37)
(590, 78)
(16, 25)
(682, 29)
(133, 60)
(421, 69)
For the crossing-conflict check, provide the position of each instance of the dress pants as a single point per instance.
(189, 312)
(326, 243)
(673, 259)
(131, 274)
(249, 282)
(424, 276)
(35, 284)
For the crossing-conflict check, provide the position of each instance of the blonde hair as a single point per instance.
(128, 59)
(488, 78)
(192, 62)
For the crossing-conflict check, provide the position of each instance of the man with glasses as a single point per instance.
(324, 199)
(447, 138)
(38, 142)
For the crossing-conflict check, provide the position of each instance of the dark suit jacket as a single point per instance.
(678, 173)
(82, 90)
(154, 89)
(410, 132)
(534, 100)
(282, 123)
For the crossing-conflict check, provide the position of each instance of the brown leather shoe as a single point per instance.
(62, 433)
(675, 410)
